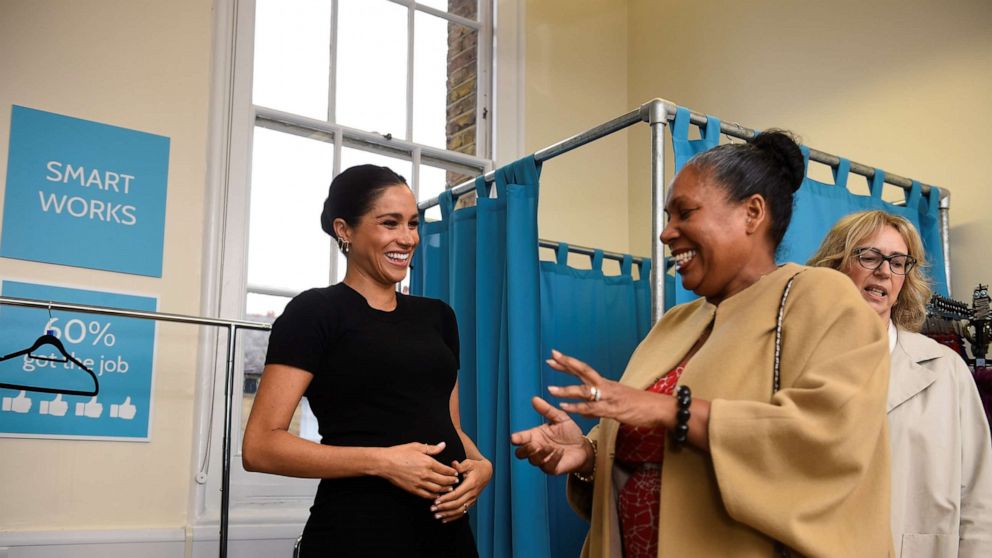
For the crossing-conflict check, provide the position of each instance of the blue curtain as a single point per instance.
(512, 310)
(483, 261)
(819, 205)
(684, 149)
(599, 319)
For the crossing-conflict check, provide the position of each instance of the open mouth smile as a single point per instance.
(398, 258)
(683, 258)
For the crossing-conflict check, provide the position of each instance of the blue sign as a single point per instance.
(84, 194)
(119, 352)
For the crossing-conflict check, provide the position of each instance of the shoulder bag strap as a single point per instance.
(781, 551)
(776, 371)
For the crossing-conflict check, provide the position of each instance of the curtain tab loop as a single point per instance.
(877, 184)
(625, 265)
(597, 260)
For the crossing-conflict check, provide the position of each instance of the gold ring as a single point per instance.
(594, 393)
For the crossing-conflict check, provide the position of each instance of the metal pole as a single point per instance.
(124, 313)
(655, 113)
(736, 130)
(552, 151)
(586, 251)
(232, 327)
(225, 482)
(945, 235)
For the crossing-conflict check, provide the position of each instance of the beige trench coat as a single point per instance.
(941, 454)
(808, 467)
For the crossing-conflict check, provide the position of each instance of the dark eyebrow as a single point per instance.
(396, 215)
(672, 201)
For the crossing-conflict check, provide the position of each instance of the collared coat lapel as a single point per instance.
(908, 377)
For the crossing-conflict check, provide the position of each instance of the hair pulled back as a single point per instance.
(771, 165)
(353, 192)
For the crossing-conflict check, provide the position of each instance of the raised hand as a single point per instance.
(556, 447)
(413, 468)
(602, 398)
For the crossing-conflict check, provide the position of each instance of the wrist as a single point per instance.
(587, 471)
(668, 413)
(487, 466)
(375, 464)
(589, 466)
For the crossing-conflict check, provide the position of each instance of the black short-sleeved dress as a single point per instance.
(379, 379)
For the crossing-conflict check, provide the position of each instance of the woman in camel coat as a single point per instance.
(802, 470)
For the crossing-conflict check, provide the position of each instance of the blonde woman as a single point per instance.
(941, 453)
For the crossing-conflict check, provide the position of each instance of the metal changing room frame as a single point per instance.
(232, 327)
(657, 113)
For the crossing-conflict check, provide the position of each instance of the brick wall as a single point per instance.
(463, 57)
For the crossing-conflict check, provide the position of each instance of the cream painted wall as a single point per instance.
(576, 76)
(142, 65)
(902, 85)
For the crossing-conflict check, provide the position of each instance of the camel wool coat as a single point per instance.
(808, 467)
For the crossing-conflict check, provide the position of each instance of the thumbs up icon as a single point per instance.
(55, 407)
(20, 404)
(90, 409)
(125, 410)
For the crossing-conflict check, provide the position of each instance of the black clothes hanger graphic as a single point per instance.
(49, 339)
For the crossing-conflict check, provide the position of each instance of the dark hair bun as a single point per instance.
(353, 192)
(781, 145)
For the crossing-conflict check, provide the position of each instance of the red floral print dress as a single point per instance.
(641, 451)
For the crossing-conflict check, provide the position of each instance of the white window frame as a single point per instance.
(267, 498)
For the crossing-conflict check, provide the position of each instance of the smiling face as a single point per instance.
(880, 287)
(716, 244)
(383, 241)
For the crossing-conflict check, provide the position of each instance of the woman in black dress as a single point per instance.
(379, 369)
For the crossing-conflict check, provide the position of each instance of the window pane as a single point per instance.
(445, 82)
(258, 308)
(371, 62)
(432, 182)
(265, 308)
(430, 87)
(464, 8)
(286, 246)
(351, 157)
(292, 55)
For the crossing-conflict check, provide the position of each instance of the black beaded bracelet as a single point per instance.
(680, 434)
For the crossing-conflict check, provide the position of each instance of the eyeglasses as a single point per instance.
(871, 258)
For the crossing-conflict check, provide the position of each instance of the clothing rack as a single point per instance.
(232, 326)
(657, 113)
